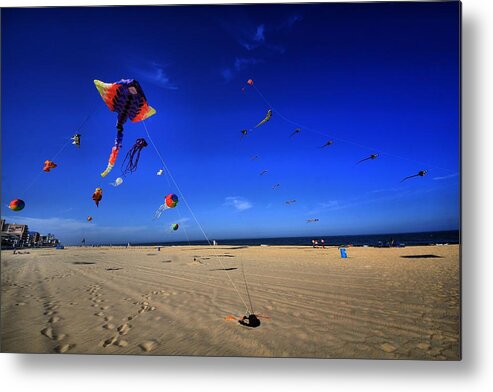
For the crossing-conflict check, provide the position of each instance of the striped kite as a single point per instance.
(126, 98)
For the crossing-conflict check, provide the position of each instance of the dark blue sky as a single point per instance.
(375, 78)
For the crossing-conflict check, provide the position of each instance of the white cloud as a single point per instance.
(240, 203)
(155, 73)
(259, 34)
(256, 37)
(446, 177)
(330, 204)
(239, 64)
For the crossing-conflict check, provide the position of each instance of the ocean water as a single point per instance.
(403, 239)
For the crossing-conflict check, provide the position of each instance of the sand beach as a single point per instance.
(393, 303)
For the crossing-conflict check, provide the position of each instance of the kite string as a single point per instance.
(41, 171)
(246, 286)
(193, 215)
(179, 212)
(96, 106)
(63, 147)
(340, 139)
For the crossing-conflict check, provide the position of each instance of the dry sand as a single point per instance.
(375, 304)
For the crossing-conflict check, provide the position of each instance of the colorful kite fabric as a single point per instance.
(170, 201)
(126, 98)
(17, 205)
(97, 196)
(49, 165)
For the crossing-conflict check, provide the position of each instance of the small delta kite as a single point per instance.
(372, 156)
(422, 173)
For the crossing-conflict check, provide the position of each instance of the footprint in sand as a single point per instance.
(388, 348)
(149, 345)
(114, 340)
(423, 346)
(109, 326)
(49, 333)
(121, 343)
(109, 341)
(63, 348)
(124, 328)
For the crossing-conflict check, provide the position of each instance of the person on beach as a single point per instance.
(313, 243)
(322, 241)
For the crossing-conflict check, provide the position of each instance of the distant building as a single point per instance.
(14, 235)
(33, 238)
(21, 231)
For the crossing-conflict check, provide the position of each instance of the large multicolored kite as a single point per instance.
(126, 98)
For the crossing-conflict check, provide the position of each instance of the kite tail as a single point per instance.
(111, 162)
(133, 156)
(159, 211)
(114, 151)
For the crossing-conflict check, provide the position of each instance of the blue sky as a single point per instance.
(375, 78)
